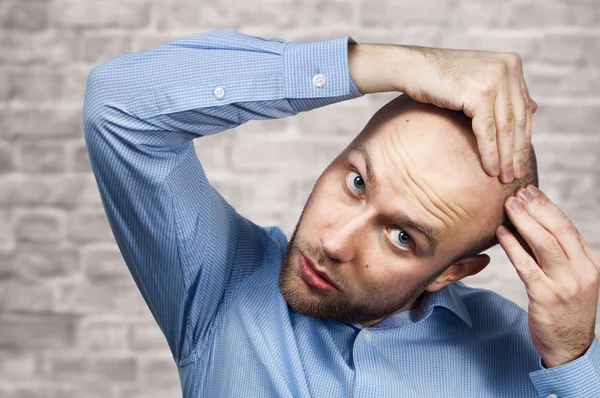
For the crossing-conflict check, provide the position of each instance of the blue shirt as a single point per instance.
(210, 275)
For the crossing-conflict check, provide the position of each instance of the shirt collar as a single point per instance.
(447, 297)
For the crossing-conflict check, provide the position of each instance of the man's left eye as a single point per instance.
(402, 238)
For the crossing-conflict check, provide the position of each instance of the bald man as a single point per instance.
(365, 299)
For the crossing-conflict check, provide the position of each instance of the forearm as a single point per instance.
(379, 68)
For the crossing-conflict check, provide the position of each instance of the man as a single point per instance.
(365, 299)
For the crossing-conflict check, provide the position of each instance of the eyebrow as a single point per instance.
(423, 229)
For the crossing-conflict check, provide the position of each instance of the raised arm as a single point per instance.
(178, 236)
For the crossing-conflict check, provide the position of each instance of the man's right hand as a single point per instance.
(487, 86)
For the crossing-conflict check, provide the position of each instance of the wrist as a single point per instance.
(378, 68)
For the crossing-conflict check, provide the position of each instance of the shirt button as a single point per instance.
(368, 335)
(319, 80)
(219, 92)
(552, 396)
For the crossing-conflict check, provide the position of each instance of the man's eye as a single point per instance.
(355, 182)
(404, 240)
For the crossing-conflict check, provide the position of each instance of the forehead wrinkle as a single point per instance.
(428, 193)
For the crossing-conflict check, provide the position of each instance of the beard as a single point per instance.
(342, 306)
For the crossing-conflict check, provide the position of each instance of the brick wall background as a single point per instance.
(72, 323)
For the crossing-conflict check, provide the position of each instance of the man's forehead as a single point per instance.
(444, 178)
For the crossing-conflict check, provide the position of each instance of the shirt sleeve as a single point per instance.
(178, 236)
(578, 378)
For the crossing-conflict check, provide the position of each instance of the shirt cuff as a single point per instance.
(578, 378)
(319, 69)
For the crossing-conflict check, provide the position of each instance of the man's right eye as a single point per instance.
(355, 182)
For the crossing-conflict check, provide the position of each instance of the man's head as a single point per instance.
(417, 223)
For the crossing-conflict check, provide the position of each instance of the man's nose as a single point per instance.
(341, 237)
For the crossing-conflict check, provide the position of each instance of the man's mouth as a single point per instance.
(315, 278)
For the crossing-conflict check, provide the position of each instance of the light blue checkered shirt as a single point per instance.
(210, 276)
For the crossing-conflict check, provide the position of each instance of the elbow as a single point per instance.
(102, 100)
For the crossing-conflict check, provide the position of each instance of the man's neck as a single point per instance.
(413, 305)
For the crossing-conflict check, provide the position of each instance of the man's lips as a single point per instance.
(322, 274)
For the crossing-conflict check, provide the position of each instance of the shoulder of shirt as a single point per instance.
(488, 308)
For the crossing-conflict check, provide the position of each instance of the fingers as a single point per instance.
(545, 213)
(527, 268)
(505, 127)
(530, 108)
(548, 253)
(484, 128)
(521, 112)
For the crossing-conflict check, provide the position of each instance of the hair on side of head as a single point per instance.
(489, 240)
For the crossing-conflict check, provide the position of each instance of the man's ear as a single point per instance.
(463, 268)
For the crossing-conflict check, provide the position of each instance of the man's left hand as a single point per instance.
(561, 275)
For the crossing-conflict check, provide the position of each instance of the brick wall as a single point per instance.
(72, 323)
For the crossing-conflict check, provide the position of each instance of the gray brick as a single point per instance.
(146, 336)
(28, 298)
(214, 151)
(344, 120)
(98, 48)
(6, 228)
(565, 50)
(73, 88)
(101, 14)
(159, 371)
(104, 264)
(89, 226)
(37, 84)
(567, 118)
(99, 335)
(110, 299)
(548, 82)
(27, 15)
(6, 157)
(526, 45)
(40, 156)
(43, 226)
(552, 13)
(283, 155)
(36, 332)
(48, 47)
(6, 267)
(392, 15)
(19, 366)
(43, 261)
(151, 41)
(244, 15)
(41, 123)
(566, 153)
(572, 192)
(150, 392)
(53, 190)
(477, 14)
(46, 390)
(5, 85)
(96, 369)
(78, 157)
(278, 196)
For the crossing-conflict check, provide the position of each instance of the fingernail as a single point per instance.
(509, 175)
(502, 230)
(495, 167)
(514, 204)
(520, 170)
(524, 195)
(533, 189)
